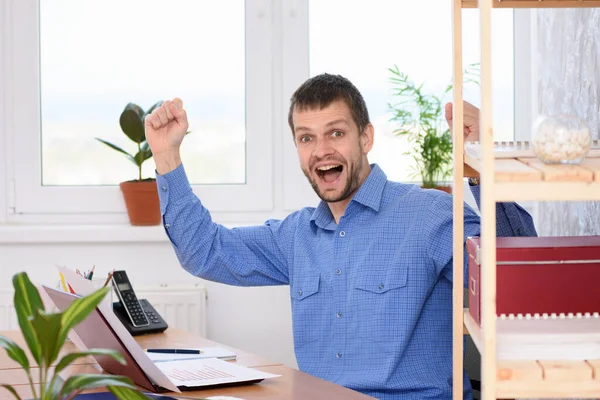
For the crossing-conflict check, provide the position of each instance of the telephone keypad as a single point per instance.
(133, 305)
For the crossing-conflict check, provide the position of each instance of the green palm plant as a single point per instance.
(421, 119)
(132, 124)
(45, 333)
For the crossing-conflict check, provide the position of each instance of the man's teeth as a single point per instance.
(327, 167)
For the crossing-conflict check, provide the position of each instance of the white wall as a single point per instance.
(252, 319)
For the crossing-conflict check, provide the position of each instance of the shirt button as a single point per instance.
(342, 233)
(339, 315)
(338, 355)
(299, 292)
(381, 286)
(338, 271)
(163, 188)
(167, 226)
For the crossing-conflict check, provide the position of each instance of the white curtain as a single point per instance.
(568, 65)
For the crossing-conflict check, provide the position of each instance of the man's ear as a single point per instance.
(367, 138)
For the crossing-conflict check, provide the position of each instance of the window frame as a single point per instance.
(96, 204)
(4, 82)
(525, 103)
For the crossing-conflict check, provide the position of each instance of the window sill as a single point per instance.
(27, 234)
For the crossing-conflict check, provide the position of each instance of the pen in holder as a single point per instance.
(97, 281)
(100, 282)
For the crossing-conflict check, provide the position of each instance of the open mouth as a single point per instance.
(330, 173)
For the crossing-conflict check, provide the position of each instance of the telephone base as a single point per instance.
(156, 326)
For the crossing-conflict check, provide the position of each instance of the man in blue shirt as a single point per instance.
(369, 269)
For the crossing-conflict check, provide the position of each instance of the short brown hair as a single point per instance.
(320, 91)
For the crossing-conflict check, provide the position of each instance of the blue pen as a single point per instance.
(174, 351)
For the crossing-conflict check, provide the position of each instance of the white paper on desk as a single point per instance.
(207, 352)
(210, 371)
(84, 287)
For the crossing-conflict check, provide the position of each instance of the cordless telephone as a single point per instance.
(129, 300)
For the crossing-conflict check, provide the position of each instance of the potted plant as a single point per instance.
(141, 195)
(421, 119)
(45, 333)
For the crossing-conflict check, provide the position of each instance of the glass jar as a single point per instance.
(561, 139)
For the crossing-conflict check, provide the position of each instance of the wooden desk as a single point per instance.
(292, 384)
(170, 338)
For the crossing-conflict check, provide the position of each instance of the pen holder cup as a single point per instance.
(99, 283)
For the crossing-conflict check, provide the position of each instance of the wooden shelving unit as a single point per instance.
(506, 177)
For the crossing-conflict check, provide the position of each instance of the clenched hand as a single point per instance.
(470, 121)
(165, 129)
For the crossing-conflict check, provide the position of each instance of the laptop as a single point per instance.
(103, 329)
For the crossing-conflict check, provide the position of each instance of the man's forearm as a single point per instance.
(167, 161)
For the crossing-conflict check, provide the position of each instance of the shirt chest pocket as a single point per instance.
(309, 307)
(380, 303)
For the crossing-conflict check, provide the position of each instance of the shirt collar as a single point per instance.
(369, 194)
(371, 191)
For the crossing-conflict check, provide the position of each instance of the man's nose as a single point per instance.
(323, 149)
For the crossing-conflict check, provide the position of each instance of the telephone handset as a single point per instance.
(138, 316)
(129, 299)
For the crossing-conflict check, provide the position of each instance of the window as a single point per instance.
(147, 52)
(73, 66)
(361, 40)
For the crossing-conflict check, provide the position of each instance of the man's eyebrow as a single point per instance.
(301, 128)
(337, 121)
(331, 123)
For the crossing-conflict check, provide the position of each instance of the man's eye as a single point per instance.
(337, 133)
(304, 139)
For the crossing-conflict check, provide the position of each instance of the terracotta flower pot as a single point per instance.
(447, 189)
(141, 200)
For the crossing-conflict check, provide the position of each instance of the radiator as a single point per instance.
(182, 306)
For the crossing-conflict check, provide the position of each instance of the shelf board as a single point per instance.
(546, 191)
(520, 176)
(535, 4)
(540, 378)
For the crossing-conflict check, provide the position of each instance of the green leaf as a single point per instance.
(142, 156)
(27, 301)
(15, 352)
(132, 122)
(47, 326)
(69, 358)
(79, 310)
(93, 381)
(154, 107)
(117, 148)
(53, 388)
(124, 393)
(12, 390)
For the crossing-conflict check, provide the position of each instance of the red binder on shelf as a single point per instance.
(556, 276)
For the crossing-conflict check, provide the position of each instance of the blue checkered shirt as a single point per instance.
(371, 296)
